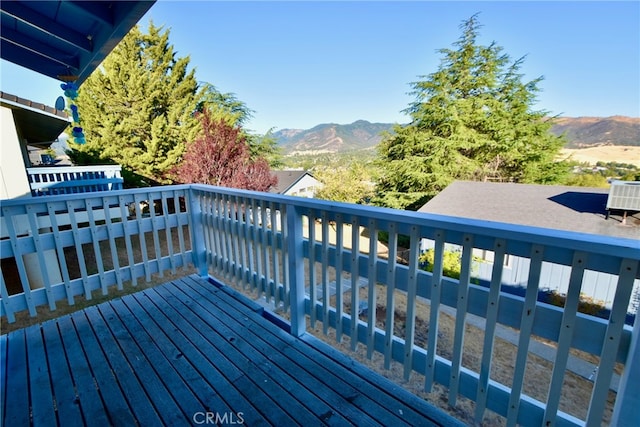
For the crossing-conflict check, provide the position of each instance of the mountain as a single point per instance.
(581, 132)
(331, 137)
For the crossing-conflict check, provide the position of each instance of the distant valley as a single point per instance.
(580, 132)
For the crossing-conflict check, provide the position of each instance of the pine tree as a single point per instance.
(221, 156)
(472, 119)
(137, 109)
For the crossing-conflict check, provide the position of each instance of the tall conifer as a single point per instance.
(472, 119)
(138, 108)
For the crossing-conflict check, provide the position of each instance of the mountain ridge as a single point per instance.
(580, 132)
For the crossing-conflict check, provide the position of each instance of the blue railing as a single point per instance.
(53, 180)
(323, 263)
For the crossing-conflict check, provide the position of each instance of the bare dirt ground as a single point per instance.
(605, 153)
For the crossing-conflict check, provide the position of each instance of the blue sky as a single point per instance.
(299, 64)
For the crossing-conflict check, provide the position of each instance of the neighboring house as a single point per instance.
(25, 125)
(576, 209)
(295, 183)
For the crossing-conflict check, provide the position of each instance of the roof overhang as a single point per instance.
(65, 40)
(38, 124)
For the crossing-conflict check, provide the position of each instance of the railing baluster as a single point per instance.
(42, 264)
(526, 324)
(275, 266)
(566, 335)
(391, 295)
(124, 211)
(339, 268)
(627, 398)
(313, 297)
(265, 252)
(412, 288)
(243, 227)
(181, 242)
(79, 252)
(461, 315)
(499, 249)
(154, 233)
(355, 284)
(22, 270)
(255, 219)
(434, 310)
(6, 305)
(167, 231)
(96, 245)
(141, 236)
(326, 302)
(112, 243)
(372, 300)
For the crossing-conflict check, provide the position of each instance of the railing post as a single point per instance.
(198, 249)
(626, 411)
(295, 268)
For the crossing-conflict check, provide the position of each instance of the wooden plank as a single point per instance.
(16, 403)
(277, 369)
(4, 299)
(79, 252)
(87, 385)
(3, 376)
(113, 391)
(239, 394)
(309, 368)
(66, 399)
(144, 369)
(380, 404)
(271, 395)
(275, 265)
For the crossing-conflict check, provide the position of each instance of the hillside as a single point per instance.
(581, 132)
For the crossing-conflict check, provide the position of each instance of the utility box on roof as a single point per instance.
(624, 195)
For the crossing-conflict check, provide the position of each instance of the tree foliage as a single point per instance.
(348, 184)
(472, 119)
(221, 156)
(137, 108)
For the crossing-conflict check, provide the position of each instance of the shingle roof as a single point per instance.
(579, 209)
(286, 179)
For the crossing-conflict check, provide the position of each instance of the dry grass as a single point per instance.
(605, 153)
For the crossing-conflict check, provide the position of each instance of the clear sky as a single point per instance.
(299, 64)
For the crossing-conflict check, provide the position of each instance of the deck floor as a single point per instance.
(190, 352)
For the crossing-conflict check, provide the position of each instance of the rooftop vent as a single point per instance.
(624, 195)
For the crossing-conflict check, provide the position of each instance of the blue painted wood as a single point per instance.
(67, 399)
(16, 403)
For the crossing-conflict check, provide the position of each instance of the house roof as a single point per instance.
(287, 179)
(578, 209)
(65, 38)
(39, 124)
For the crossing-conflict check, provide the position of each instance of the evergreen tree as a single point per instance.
(221, 156)
(137, 109)
(472, 119)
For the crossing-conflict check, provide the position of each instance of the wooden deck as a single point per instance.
(190, 352)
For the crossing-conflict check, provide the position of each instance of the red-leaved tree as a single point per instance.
(220, 156)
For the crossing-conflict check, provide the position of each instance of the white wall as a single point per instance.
(13, 176)
(305, 187)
